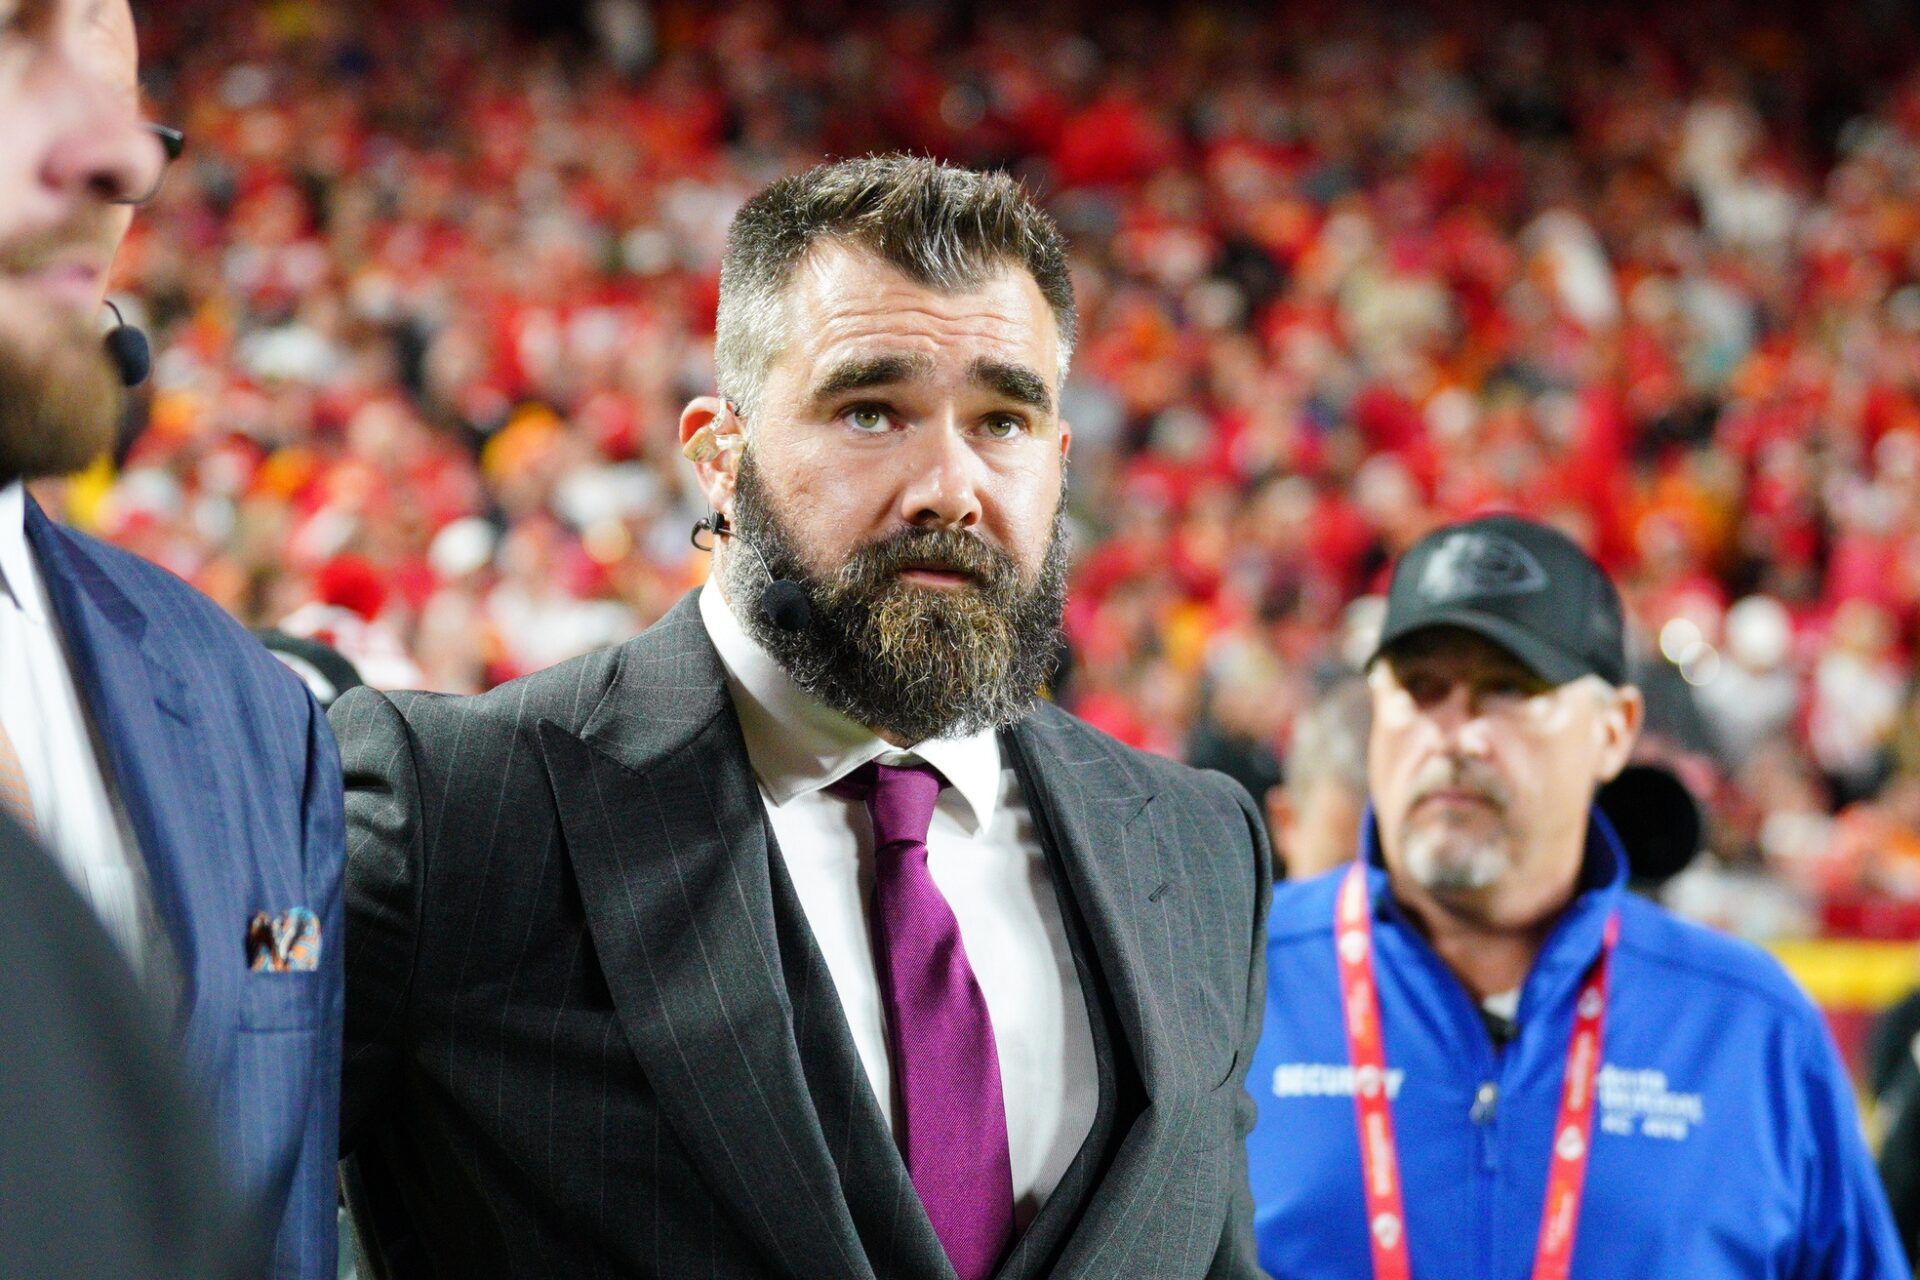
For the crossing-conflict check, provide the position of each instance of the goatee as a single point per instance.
(913, 662)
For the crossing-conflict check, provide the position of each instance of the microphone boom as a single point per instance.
(783, 602)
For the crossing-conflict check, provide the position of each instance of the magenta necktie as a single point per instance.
(953, 1122)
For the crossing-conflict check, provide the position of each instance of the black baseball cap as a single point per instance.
(1518, 583)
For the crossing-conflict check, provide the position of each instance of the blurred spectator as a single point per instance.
(425, 310)
(1247, 707)
(1752, 696)
(1859, 684)
(320, 667)
(1316, 817)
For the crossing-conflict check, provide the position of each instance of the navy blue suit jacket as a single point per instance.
(230, 776)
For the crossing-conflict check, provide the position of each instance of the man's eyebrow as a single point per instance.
(1014, 381)
(860, 372)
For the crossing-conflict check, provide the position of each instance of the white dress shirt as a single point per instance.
(984, 855)
(77, 813)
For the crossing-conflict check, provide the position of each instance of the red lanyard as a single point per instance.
(1373, 1111)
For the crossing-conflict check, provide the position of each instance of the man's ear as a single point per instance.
(1066, 439)
(711, 439)
(1620, 723)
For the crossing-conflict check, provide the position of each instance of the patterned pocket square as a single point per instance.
(286, 943)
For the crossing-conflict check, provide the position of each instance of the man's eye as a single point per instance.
(1003, 426)
(1424, 690)
(868, 418)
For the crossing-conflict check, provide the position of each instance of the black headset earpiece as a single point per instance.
(784, 602)
(128, 348)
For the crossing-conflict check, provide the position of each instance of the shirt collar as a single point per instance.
(798, 745)
(19, 579)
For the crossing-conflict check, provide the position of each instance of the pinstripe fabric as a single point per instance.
(231, 781)
(589, 1034)
(894, 1234)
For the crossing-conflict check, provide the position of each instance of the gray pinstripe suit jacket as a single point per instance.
(589, 1034)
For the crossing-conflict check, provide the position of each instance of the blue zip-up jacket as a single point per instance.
(1726, 1138)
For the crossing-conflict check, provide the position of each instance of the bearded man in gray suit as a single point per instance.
(796, 937)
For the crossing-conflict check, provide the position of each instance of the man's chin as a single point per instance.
(1452, 863)
(60, 402)
(923, 636)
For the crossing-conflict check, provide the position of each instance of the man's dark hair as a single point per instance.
(944, 227)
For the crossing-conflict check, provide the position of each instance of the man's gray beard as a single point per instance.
(1437, 863)
(917, 663)
(59, 403)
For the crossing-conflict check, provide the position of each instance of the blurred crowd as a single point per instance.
(428, 292)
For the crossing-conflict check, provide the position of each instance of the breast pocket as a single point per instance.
(280, 1001)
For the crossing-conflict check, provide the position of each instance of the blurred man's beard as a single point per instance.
(59, 399)
(1456, 853)
(1451, 861)
(911, 661)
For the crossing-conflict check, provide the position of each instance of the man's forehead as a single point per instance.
(830, 260)
(843, 297)
(110, 24)
(105, 27)
(107, 15)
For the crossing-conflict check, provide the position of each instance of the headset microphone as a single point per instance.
(129, 350)
(784, 602)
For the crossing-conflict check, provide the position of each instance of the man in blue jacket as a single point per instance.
(180, 778)
(1482, 1057)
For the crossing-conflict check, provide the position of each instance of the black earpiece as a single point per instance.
(783, 602)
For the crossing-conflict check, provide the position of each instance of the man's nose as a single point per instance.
(944, 491)
(102, 150)
(1459, 720)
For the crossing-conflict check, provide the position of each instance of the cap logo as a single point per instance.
(1471, 564)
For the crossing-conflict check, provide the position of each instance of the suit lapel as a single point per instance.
(1038, 1248)
(145, 715)
(895, 1232)
(663, 825)
(1097, 811)
(1088, 803)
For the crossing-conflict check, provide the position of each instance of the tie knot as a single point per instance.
(899, 798)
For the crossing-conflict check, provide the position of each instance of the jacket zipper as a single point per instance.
(1489, 1068)
(1484, 1115)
